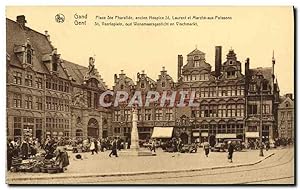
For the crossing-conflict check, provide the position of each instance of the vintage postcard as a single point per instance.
(150, 95)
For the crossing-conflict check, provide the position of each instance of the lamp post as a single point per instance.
(261, 148)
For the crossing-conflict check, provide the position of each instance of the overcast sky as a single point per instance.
(252, 32)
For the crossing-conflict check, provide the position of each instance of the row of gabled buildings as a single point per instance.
(232, 105)
(47, 95)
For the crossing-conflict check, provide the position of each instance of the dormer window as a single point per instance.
(54, 66)
(29, 55)
(163, 84)
(142, 85)
(122, 86)
(230, 62)
(265, 86)
(230, 74)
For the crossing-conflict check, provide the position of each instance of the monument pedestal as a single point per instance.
(135, 147)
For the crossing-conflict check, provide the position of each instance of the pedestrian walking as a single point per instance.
(267, 145)
(153, 143)
(230, 151)
(93, 147)
(206, 148)
(114, 148)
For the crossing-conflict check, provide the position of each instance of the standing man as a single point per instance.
(92, 147)
(114, 148)
(230, 151)
(153, 144)
(206, 148)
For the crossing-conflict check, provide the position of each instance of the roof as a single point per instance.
(196, 52)
(265, 71)
(16, 35)
(78, 72)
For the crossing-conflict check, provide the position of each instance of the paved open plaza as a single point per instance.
(100, 166)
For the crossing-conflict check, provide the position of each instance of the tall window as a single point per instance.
(61, 86)
(17, 126)
(67, 107)
(28, 102)
(148, 115)
(222, 110)
(54, 103)
(39, 82)
(61, 105)
(96, 100)
(266, 109)
(252, 87)
(139, 114)
(28, 80)
(212, 91)
(240, 110)
(204, 110)
(158, 114)
(48, 102)
(29, 55)
(54, 84)
(127, 115)
(17, 78)
(48, 123)
(48, 83)
(89, 99)
(17, 100)
(169, 114)
(67, 125)
(117, 115)
(39, 103)
(252, 109)
(66, 87)
(39, 123)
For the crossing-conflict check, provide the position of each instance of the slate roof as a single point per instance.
(265, 71)
(16, 35)
(196, 52)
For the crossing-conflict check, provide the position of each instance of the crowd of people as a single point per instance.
(28, 148)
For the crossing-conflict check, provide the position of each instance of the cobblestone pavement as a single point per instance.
(278, 165)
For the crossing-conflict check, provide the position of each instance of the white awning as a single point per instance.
(162, 132)
(226, 136)
(195, 134)
(252, 134)
(204, 134)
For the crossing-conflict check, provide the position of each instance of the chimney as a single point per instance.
(21, 20)
(218, 61)
(289, 95)
(247, 66)
(180, 64)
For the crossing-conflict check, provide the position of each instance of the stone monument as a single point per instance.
(134, 146)
(134, 132)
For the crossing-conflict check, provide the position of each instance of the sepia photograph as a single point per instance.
(141, 95)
